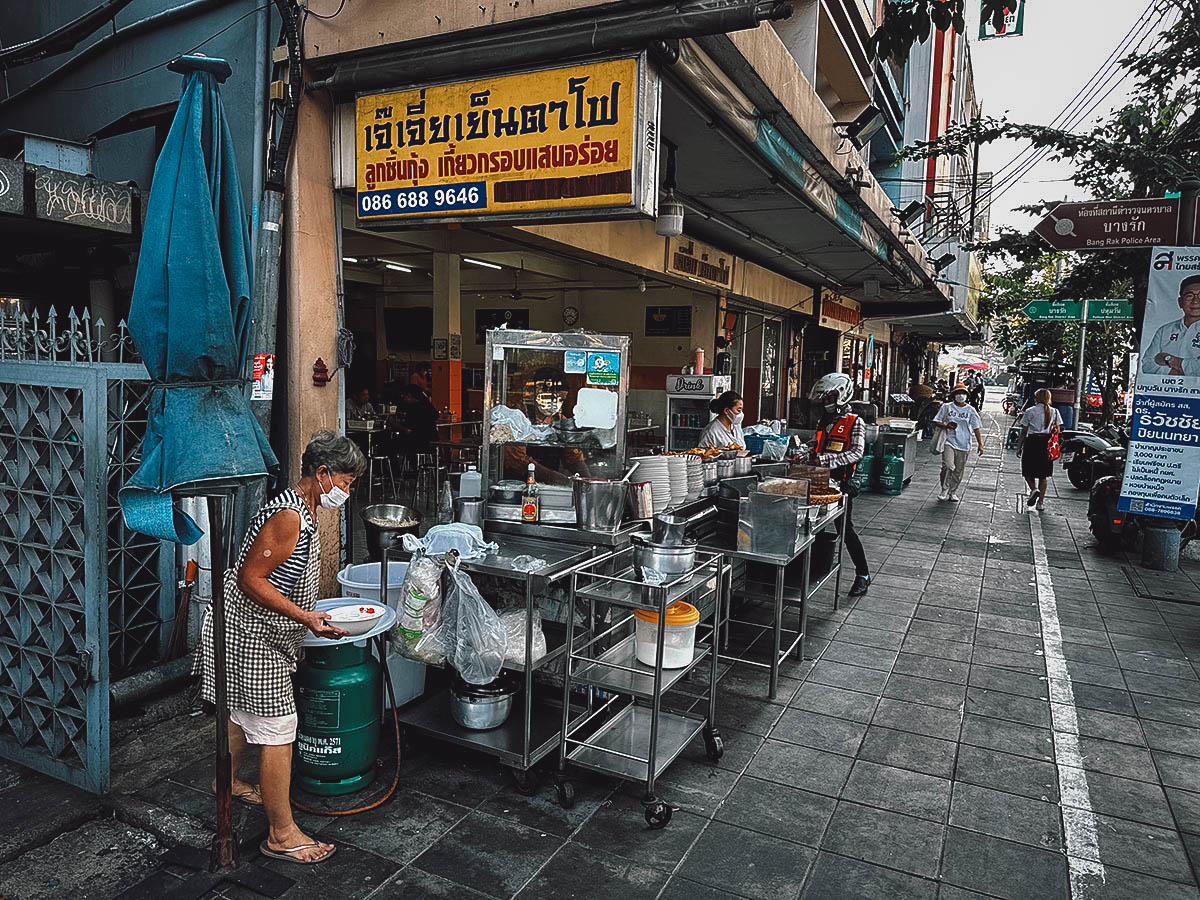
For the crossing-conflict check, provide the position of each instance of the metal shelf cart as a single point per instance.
(533, 729)
(626, 731)
(795, 598)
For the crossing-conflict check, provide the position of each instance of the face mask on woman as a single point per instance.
(736, 418)
(335, 497)
(960, 398)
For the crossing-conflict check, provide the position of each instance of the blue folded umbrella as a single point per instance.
(190, 318)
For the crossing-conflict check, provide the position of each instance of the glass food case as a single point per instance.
(556, 400)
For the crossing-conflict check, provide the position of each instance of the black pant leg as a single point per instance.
(853, 544)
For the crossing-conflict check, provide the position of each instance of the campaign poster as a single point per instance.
(263, 386)
(1162, 471)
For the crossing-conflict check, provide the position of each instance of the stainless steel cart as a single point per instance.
(533, 729)
(626, 731)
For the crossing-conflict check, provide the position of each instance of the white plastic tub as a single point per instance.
(679, 644)
(363, 581)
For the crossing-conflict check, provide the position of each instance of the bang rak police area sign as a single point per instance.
(1162, 471)
(570, 142)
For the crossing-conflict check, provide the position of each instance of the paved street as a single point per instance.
(1002, 715)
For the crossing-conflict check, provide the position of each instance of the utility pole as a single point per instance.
(1080, 369)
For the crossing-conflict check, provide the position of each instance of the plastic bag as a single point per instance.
(774, 450)
(470, 635)
(465, 540)
(514, 419)
(514, 627)
(421, 604)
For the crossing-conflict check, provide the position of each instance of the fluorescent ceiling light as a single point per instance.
(396, 267)
(350, 259)
(480, 262)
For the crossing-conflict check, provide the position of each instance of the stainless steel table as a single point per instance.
(533, 729)
(808, 587)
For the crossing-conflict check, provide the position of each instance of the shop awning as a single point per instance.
(943, 326)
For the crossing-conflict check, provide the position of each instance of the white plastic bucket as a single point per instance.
(679, 643)
(363, 580)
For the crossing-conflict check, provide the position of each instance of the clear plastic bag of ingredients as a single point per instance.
(514, 626)
(470, 634)
(421, 604)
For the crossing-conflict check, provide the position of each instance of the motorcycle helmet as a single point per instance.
(833, 390)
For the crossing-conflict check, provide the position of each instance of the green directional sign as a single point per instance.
(1054, 310)
(1110, 311)
(1106, 310)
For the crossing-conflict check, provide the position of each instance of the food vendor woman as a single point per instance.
(725, 431)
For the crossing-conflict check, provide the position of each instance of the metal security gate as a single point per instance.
(53, 621)
(82, 599)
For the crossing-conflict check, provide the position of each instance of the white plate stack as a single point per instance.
(677, 469)
(654, 470)
(695, 477)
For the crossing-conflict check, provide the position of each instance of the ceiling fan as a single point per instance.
(516, 295)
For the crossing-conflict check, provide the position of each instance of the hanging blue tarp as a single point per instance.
(190, 317)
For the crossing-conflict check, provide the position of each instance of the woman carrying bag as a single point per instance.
(1040, 426)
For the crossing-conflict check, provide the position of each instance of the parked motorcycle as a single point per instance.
(1012, 405)
(1080, 448)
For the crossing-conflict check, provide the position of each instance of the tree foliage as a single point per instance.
(906, 22)
(1145, 148)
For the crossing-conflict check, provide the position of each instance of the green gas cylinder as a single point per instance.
(891, 475)
(337, 703)
(864, 474)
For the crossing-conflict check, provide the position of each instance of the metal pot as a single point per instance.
(668, 560)
(469, 510)
(482, 706)
(599, 503)
(725, 468)
(384, 529)
(507, 491)
(641, 499)
(710, 472)
(742, 464)
(670, 530)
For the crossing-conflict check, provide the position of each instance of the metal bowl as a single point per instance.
(677, 560)
(385, 523)
(481, 707)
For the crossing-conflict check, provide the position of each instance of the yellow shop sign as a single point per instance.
(572, 141)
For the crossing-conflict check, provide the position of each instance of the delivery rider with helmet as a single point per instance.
(841, 443)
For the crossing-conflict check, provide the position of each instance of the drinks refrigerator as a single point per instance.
(688, 397)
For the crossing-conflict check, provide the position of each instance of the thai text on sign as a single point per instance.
(564, 138)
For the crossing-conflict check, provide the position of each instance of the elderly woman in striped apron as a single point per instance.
(270, 603)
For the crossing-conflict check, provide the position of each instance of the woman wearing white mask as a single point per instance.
(270, 605)
(725, 431)
(961, 422)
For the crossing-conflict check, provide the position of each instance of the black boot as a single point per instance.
(861, 583)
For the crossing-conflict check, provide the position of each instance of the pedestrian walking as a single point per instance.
(271, 596)
(841, 443)
(1038, 424)
(960, 421)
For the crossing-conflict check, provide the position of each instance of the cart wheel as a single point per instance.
(658, 814)
(526, 781)
(566, 794)
(714, 747)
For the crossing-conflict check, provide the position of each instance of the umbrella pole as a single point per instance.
(224, 848)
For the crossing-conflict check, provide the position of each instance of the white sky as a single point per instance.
(1032, 77)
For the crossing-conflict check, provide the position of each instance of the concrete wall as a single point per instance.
(376, 22)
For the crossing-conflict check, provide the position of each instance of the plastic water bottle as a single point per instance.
(471, 484)
(446, 505)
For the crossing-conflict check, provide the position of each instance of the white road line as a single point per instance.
(1079, 821)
